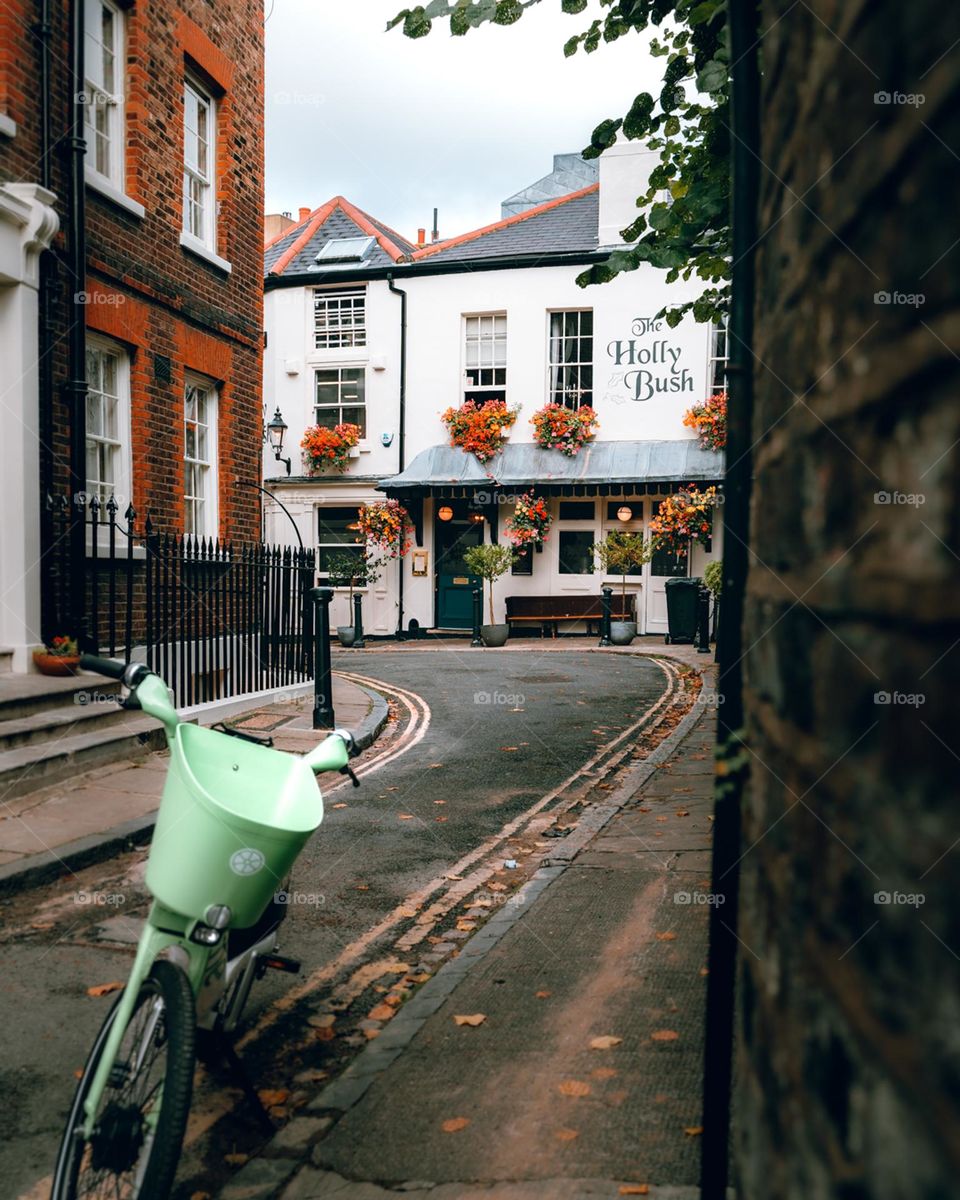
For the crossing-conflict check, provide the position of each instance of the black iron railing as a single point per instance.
(214, 618)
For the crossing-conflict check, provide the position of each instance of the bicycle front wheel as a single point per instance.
(140, 1120)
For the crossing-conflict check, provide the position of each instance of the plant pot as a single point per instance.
(56, 664)
(347, 634)
(494, 635)
(622, 633)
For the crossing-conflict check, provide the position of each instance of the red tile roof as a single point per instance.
(319, 216)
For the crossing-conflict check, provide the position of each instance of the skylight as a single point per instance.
(351, 249)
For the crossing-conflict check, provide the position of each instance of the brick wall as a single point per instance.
(848, 1069)
(142, 287)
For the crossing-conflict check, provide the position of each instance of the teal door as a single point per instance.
(455, 584)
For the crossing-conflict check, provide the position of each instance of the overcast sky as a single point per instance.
(400, 126)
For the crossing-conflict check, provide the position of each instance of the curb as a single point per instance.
(97, 847)
(263, 1174)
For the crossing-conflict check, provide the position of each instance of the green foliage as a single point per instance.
(683, 226)
(352, 570)
(713, 576)
(489, 562)
(620, 552)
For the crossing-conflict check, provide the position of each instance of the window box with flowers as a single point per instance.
(709, 419)
(683, 517)
(480, 429)
(386, 525)
(330, 449)
(556, 427)
(530, 522)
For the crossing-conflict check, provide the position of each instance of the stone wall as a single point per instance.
(848, 1071)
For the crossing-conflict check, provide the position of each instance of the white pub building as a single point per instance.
(367, 328)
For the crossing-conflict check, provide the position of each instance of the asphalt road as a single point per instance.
(505, 728)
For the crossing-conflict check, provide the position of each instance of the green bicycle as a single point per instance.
(235, 814)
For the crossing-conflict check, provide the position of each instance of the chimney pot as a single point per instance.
(304, 213)
(421, 237)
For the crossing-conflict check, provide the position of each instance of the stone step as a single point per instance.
(26, 768)
(6, 660)
(86, 714)
(22, 695)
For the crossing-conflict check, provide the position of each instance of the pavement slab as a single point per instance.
(614, 948)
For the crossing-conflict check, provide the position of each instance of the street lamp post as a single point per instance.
(275, 431)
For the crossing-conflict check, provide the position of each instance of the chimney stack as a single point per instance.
(304, 213)
(421, 237)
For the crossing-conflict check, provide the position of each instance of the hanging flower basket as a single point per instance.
(556, 427)
(480, 429)
(387, 525)
(329, 449)
(530, 522)
(709, 419)
(683, 517)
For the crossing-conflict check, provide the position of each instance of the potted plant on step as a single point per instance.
(60, 657)
(346, 570)
(622, 553)
(490, 562)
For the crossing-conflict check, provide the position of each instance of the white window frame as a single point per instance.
(582, 397)
(568, 580)
(101, 101)
(472, 321)
(341, 403)
(209, 467)
(207, 238)
(718, 353)
(120, 486)
(336, 547)
(340, 335)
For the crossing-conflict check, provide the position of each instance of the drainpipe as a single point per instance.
(75, 387)
(722, 957)
(47, 263)
(402, 429)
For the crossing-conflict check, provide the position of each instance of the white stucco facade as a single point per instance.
(645, 376)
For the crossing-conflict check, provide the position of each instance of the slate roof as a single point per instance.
(567, 224)
(294, 251)
(524, 463)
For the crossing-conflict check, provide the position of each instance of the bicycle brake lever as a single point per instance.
(348, 770)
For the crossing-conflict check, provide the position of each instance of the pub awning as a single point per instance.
(602, 467)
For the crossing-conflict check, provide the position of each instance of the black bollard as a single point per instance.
(358, 642)
(716, 628)
(605, 616)
(703, 620)
(323, 717)
(477, 640)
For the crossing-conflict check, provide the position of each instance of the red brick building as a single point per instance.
(153, 243)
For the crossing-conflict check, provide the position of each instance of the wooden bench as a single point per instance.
(548, 611)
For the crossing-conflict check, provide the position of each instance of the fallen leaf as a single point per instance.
(509, 749)
(405, 816)
(407, 912)
(693, 1130)
(394, 999)
(269, 1098)
(380, 1012)
(78, 1073)
(370, 1034)
(466, 926)
(683, 812)
(566, 1135)
(420, 977)
(634, 1189)
(433, 766)
(397, 968)
(661, 818)
(605, 1042)
(439, 820)
(573, 1087)
(439, 801)
(455, 1124)
(393, 789)
(41, 925)
(104, 989)
(199, 1196)
(495, 886)
(603, 1073)
(473, 1019)
(323, 1021)
(665, 1035)
(340, 805)
(453, 876)
(324, 1035)
(665, 937)
(704, 971)
(236, 1160)
(542, 995)
(362, 887)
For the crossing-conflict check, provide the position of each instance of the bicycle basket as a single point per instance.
(232, 820)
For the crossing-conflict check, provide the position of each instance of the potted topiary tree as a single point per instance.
(490, 562)
(351, 571)
(620, 553)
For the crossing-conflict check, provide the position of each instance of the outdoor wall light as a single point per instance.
(275, 431)
(445, 513)
(476, 518)
(625, 513)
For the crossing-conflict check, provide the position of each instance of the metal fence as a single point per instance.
(215, 619)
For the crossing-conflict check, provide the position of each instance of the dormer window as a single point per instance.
(345, 250)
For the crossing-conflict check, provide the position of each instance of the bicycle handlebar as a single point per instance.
(103, 666)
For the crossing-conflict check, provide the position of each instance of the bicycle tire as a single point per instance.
(120, 1130)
